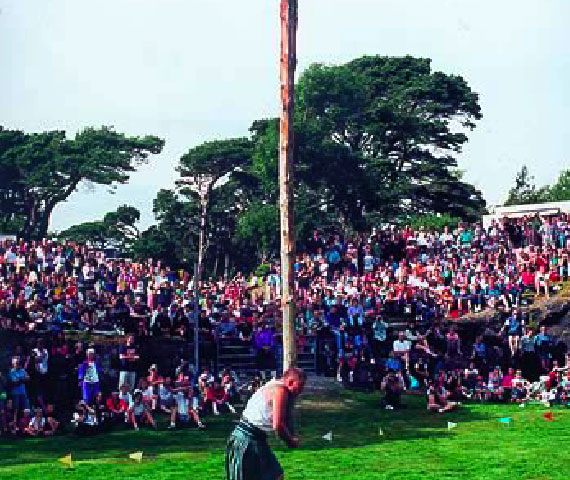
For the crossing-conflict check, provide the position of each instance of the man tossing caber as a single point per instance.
(248, 456)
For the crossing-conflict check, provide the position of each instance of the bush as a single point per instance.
(434, 222)
(263, 270)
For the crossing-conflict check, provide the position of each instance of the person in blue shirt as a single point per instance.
(542, 342)
(329, 300)
(333, 259)
(514, 325)
(17, 378)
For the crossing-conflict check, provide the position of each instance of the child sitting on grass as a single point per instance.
(437, 398)
(183, 411)
(39, 426)
(19, 427)
(116, 408)
(85, 420)
(217, 397)
(139, 412)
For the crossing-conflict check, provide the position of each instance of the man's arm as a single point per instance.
(280, 400)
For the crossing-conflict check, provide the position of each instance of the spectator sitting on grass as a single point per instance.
(166, 400)
(126, 396)
(437, 398)
(101, 413)
(38, 425)
(229, 384)
(216, 398)
(19, 427)
(520, 387)
(52, 422)
(183, 410)
(392, 385)
(85, 420)
(139, 413)
(116, 407)
(148, 393)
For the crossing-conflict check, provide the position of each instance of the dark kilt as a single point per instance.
(248, 456)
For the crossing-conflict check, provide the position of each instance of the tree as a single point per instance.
(560, 191)
(259, 225)
(153, 243)
(177, 216)
(434, 222)
(389, 127)
(12, 205)
(95, 233)
(117, 228)
(376, 141)
(524, 191)
(47, 168)
(202, 169)
(121, 225)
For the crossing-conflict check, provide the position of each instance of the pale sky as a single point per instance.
(196, 70)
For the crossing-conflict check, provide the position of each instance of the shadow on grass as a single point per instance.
(354, 419)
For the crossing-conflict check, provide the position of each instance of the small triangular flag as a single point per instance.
(505, 420)
(451, 425)
(66, 460)
(548, 417)
(380, 432)
(328, 437)
(138, 456)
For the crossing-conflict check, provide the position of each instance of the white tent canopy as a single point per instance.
(519, 211)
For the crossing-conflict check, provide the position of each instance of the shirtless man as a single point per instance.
(248, 456)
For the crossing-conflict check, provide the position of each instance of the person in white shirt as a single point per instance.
(184, 411)
(248, 456)
(401, 348)
(37, 425)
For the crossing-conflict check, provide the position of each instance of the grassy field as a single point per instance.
(415, 445)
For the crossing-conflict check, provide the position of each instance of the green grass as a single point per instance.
(415, 445)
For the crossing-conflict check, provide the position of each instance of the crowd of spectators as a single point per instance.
(378, 310)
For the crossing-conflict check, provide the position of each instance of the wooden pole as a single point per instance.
(288, 64)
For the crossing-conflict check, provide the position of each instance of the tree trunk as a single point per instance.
(286, 142)
(226, 265)
(215, 274)
(43, 222)
(205, 203)
(30, 218)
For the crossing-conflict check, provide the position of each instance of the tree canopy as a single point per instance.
(376, 141)
(525, 191)
(46, 168)
(117, 228)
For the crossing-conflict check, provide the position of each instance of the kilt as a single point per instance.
(248, 456)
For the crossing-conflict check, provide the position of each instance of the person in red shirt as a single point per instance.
(528, 278)
(116, 407)
(217, 397)
(507, 383)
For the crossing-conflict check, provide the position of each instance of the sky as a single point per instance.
(196, 70)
